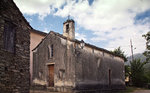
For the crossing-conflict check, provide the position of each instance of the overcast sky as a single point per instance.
(105, 23)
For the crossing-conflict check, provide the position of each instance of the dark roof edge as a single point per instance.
(33, 30)
(77, 41)
(69, 20)
(102, 49)
(42, 40)
(21, 14)
(39, 32)
(95, 47)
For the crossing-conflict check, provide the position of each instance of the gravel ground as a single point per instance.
(40, 91)
(141, 91)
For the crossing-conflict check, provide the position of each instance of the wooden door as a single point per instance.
(51, 75)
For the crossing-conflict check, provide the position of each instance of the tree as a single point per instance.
(127, 71)
(120, 53)
(127, 74)
(147, 52)
(137, 73)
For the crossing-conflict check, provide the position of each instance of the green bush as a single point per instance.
(138, 76)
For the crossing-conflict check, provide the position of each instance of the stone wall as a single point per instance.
(98, 70)
(63, 60)
(14, 64)
(76, 68)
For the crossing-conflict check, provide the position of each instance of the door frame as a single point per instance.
(49, 64)
(109, 76)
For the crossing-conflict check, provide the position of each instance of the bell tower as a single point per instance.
(69, 29)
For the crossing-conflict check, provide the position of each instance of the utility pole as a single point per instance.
(131, 49)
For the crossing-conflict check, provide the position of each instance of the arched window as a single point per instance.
(67, 28)
(50, 51)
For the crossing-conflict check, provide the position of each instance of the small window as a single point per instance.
(9, 37)
(67, 28)
(50, 51)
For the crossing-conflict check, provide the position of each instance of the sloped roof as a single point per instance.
(77, 41)
(5, 3)
(38, 32)
(45, 34)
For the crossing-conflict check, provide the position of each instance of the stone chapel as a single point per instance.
(65, 64)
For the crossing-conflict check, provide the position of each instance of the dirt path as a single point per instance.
(136, 91)
(141, 91)
(40, 91)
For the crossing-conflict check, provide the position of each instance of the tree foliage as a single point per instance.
(120, 53)
(147, 52)
(137, 72)
(138, 76)
(127, 71)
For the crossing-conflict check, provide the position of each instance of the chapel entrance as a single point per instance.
(51, 75)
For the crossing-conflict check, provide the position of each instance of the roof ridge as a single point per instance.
(78, 41)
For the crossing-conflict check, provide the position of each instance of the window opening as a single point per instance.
(9, 37)
(50, 51)
(67, 28)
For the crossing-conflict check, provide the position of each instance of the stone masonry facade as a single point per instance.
(61, 62)
(76, 68)
(14, 49)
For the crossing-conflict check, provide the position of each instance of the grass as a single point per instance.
(128, 90)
